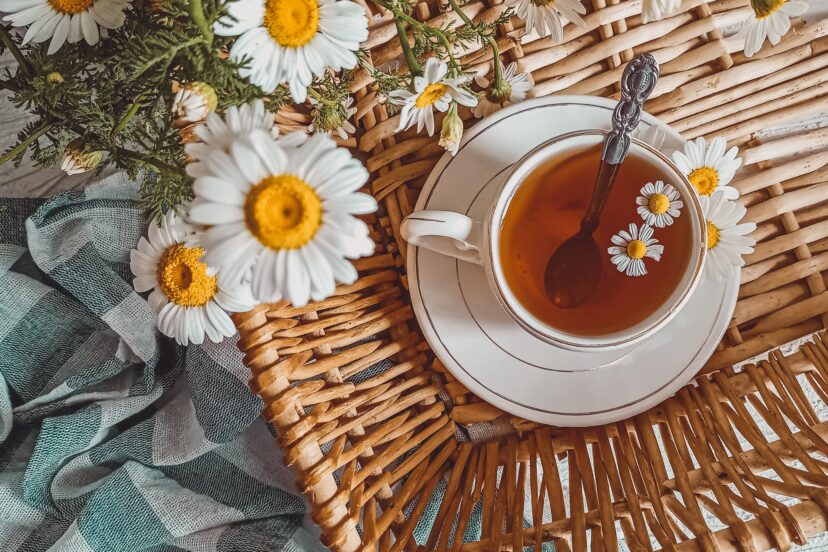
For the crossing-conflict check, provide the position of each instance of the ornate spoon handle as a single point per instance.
(637, 83)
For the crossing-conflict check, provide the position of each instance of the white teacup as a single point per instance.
(458, 236)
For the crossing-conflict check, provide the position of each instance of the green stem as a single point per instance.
(7, 40)
(410, 58)
(197, 13)
(498, 75)
(122, 124)
(422, 27)
(24, 145)
(160, 165)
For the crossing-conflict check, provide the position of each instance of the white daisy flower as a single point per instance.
(283, 214)
(186, 296)
(727, 240)
(771, 19)
(709, 167)
(544, 16)
(653, 10)
(217, 132)
(334, 119)
(289, 41)
(452, 131)
(432, 90)
(193, 102)
(64, 20)
(77, 159)
(659, 204)
(631, 248)
(513, 89)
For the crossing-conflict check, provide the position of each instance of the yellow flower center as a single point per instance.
(70, 6)
(430, 95)
(712, 235)
(183, 277)
(659, 204)
(765, 8)
(704, 179)
(291, 23)
(283, 212)
(636, 249)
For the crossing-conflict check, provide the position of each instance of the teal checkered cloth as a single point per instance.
(113, 438)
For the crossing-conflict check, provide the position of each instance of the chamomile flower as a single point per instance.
(64, 20)
(283, 214)
(186, 295)
(452, 131)
(431, 91)
(544, 16)
(217, 132)
(708, 167)
(513, 88)
(727, 240)
(659, 204)
(653, 10)
(771, 19)
(289, 41)
(192, 102)
(632, 247)
(334, 119)
(78, 159)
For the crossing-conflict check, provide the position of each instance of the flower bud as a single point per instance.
(452, 130)
(54, 78)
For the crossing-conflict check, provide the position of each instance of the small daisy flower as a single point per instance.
(544, 16)
(513, 89)
(217, 132)
(192, 102)
(64, 20)
(431, 91)
(77, 159)
(186, 295)
(709, 167)
(631, 248)
(283, 214)
(654, 10)
(659, 204)
(771, 19)
(727, 240)
(452, 131)
(289, 41)
(334, 119)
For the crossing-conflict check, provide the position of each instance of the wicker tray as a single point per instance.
(373, 423)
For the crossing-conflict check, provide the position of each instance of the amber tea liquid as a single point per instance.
(547, 209)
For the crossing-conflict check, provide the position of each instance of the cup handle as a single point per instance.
(444, 232)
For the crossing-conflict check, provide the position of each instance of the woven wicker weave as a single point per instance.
(735, 461)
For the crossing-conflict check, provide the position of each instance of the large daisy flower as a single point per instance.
(629, 249)
(659, 204)
(653, 10)
(727, 240)
(63, 20)
(284, 215)
(709, 167)
(771, 19)
(289, 41)
(514, 88)
(186, 296)
(544, 16)
(431, 91)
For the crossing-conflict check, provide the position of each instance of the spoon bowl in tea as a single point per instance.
(574, 270)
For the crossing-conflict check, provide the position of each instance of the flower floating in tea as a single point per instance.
(659, 204)
(632, 247)
(727, 240)
(770, 19)
(186, 295)
(708, 167)
(434, 90)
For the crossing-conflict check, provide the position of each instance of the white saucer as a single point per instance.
(494, 357)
